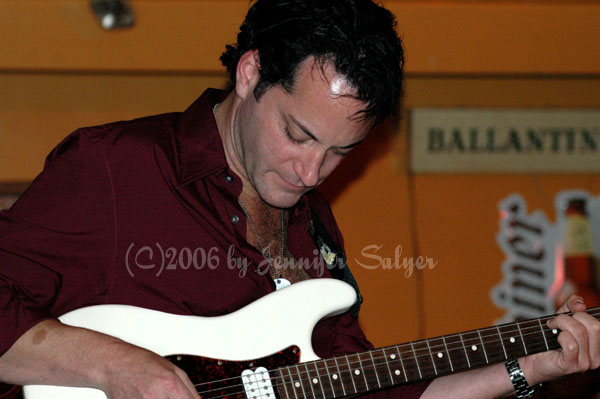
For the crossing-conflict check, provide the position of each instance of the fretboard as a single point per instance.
(415, 361)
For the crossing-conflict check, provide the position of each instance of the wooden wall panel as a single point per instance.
(38, 109)
(59, 71)
(441, 37)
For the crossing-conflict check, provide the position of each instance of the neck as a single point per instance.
(225, 116)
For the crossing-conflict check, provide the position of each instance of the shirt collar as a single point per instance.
(200, 148)
(198, 143)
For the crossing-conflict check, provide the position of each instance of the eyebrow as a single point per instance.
(312, 136)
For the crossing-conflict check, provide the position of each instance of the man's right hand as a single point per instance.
(52, 353)
(145, 375)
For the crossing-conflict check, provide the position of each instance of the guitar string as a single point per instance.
(456, 345)
(331, 388)
(324, 388)
(594, 312)
(318, 369)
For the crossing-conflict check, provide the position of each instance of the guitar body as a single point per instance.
(212, 348)
(263, 351)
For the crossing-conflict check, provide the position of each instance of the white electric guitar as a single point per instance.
(263, 351)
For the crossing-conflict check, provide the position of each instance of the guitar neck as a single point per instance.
(418, 360)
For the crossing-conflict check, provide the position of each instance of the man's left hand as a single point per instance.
(579, 339)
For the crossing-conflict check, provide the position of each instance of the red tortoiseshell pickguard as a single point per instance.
(215, 378)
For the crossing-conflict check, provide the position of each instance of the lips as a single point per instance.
(291, 185)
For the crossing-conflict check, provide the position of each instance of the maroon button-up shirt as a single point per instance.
(145, 213)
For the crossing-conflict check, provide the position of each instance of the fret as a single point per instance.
(340, 376)
(385, 357)
(424, 359)
(465, 349)
(483, 347)
(293, 387)
(493, 345)
(543, 334)
(416, 360)
(375, 370)
(551, 336)
(399, 354)
(285, 394)
(314, 381)
(431, 355)
(351, 374)
(277, 385)
(440, 356)
(448, 353)
(362, 372)
(357, 373)
(474, 348)
(502, 343)
(409, 362)
(522, 340)
(456, 352)
(300, 381)
(332, 390)
(533, 336)
(512, 341)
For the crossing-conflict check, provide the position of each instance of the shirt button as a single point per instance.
(229, 179)
(235, 219)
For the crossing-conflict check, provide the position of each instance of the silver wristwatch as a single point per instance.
(522, 388)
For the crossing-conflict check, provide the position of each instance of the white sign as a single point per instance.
(528, 241)
(533, 270)
(500, 140)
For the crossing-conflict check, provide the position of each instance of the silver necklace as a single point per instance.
(279, 281)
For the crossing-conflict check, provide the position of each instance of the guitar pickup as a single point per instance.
(257, 384)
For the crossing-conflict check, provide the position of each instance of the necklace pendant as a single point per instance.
(281, 283)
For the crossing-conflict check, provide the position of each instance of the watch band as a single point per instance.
(522, 388)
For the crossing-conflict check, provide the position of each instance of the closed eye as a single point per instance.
(340, 153)
(292, 138)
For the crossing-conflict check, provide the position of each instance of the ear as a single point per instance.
(247, 73)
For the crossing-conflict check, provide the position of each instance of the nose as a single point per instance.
(308, 167)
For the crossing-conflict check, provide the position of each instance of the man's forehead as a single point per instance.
(324, 70)
(340, 86)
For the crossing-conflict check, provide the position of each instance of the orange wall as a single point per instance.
(58, 71)
(455, 216)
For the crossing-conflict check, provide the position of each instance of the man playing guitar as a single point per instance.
(232, 177)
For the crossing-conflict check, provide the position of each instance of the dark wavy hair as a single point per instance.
(357, 36)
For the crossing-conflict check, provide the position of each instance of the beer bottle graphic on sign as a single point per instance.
(581, 266)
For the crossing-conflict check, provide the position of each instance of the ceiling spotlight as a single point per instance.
(113, 14)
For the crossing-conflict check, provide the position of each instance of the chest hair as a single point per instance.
(267, 221)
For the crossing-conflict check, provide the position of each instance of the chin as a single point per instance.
(283, 200)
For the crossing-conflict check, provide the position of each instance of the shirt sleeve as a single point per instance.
(348, 336)
(57, 239)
